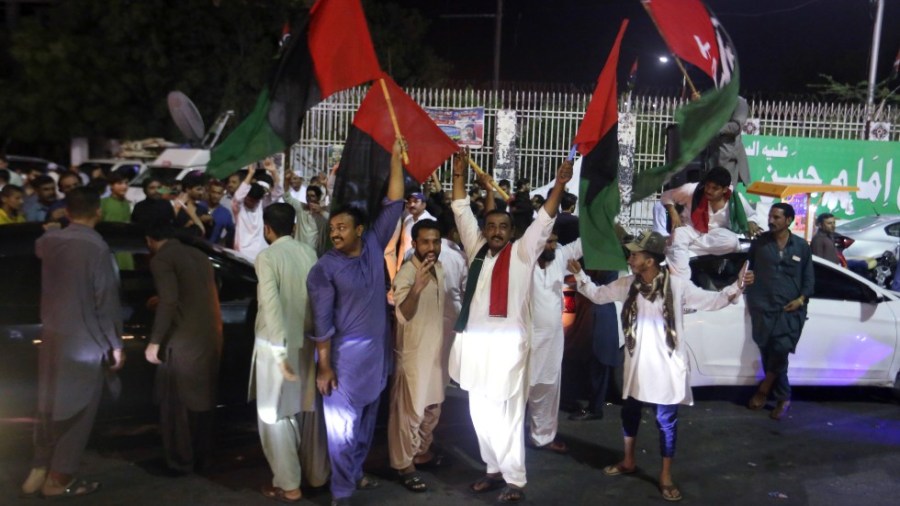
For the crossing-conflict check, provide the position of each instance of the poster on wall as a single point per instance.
(464, 126)
(868, 165)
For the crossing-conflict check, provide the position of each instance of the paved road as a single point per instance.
(838, 447)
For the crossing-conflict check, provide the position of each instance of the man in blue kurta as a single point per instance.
(347, 289)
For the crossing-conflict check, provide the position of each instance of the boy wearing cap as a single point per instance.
(656, 369)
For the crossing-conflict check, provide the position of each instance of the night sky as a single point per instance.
(782, 45)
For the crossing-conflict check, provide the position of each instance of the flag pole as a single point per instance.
(390, 105)
(694, 93)
(493, 183)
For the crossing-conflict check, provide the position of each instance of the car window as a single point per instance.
(893, 229)
(833, 283)
(858, 224)
(21, 304)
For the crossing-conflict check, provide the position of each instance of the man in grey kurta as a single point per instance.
(783, 266)
(727, 149)
(81, 327)
(188, 329)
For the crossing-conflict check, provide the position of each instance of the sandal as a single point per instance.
(75, 488)
(670, 492)
(435, 462)
(511, 494)
(558, 447)
(487, 483)
(413, 482)
(617, 469)
(278, 494)
(366, 483)
(758, 400)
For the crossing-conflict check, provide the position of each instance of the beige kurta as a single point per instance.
(420, 341)
(283, 319)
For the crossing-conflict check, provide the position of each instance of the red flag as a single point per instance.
(687, 30)
(340, 45)
(328, 51)
(597, 140)
(429, 146)
(602, 113)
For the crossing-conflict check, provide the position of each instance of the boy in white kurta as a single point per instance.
(545, 360)
(710, 221)
(490, 353)
(657, 367)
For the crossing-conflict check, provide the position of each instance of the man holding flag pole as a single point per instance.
(490, 354)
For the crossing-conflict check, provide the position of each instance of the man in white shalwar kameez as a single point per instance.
(489, 356)
(283, 367)
(545, 360)
(710, 221)
(657, 366)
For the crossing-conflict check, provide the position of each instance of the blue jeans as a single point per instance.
(666, 422)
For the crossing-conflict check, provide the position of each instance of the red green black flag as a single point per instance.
(599, 200)
(329, 50)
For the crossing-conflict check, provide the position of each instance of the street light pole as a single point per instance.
(498, 31)
(873, 59)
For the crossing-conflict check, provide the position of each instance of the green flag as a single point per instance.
(697, 124)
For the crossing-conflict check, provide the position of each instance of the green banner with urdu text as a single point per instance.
(868, 165)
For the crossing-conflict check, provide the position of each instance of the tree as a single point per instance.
(398, 35)
(856, 92)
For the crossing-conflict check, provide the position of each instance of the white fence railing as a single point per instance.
(547, 122)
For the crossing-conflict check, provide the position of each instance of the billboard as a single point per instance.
(868, 165)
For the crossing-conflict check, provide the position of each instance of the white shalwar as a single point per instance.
(489, 359)
(720, 240)
(545, 359)
(653, 374)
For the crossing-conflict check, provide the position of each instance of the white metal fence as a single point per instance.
(547, 122)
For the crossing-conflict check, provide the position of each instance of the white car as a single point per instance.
(129, 168)
(850, 337)
(172, 165)
(869, 236)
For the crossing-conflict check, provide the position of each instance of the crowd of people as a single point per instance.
(472, 290)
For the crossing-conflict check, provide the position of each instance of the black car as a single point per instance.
(20, 325)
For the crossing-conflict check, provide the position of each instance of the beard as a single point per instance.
(547, 256)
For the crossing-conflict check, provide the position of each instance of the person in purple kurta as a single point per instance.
(347, 289)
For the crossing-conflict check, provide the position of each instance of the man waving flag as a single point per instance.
(597, 140)
(365, 160)
(694, 35)
(330, 50)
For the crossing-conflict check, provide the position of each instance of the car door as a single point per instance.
(720, 343)
(850, 332)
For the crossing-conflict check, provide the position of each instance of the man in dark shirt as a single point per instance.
(81, 330)
(154, 209)
(822, 244)
(566, 221)
(782, 263)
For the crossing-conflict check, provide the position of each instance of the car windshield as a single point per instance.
(858, 224)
